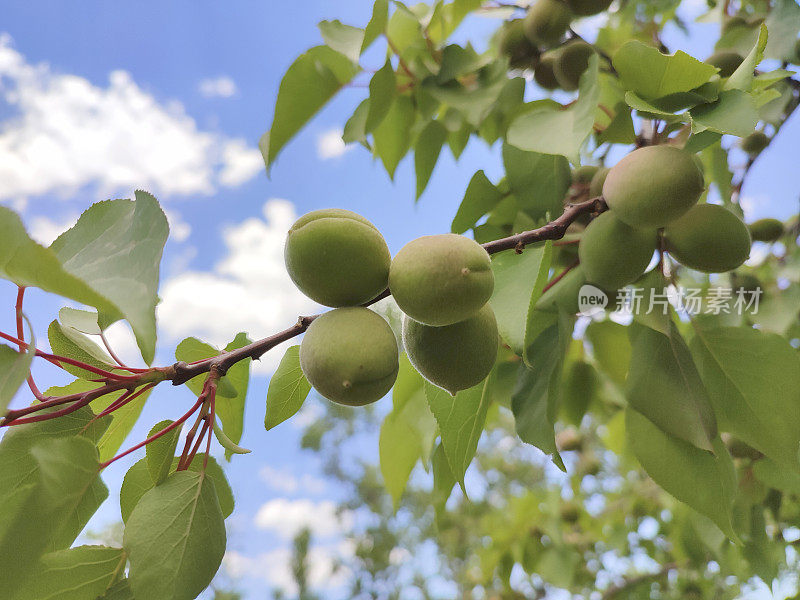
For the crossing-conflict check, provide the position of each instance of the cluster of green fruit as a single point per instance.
(652, 195)
(544, 26)
(442, 283)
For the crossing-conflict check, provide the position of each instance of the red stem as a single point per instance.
(31, 383)
(210, 422)
(155, 436)
(86, 399)
(56, 359)
(123, 400)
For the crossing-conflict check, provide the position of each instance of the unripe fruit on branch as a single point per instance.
(614, 254)
(521, 53)
(596, 184)
(569, 512)
(441, 279)
(708, 238)
(583, 175)
(585, 8)
(337, 257)
(754, 143)
(454, 357)
(544, 75)
(349, 355)
(726, 61)
(573, 60)
(654, 185)
(546, 22)
(766, 230)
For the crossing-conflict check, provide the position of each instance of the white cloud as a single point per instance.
(287, 517)
(217, 87)
(287, 482)
(275, 567)
(330, 145)
(240, 163)
(249, 290)
(44, 229)
(65, 133)
(179, 230)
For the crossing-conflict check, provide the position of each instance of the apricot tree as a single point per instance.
(699, 402)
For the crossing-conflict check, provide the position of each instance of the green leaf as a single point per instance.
(461, 419)
(377, 23)
(15, 367)
(775, 476)
(75, 574)
(71, 343)
(392, 138)
(426, 152)
(560, 131)
(345, 39)
(644, 70)
(191, 349)
(539, 182)
(519, 280)
(535, 399)
(701, 140)
(733, 113)
(115, 247)
(715, 159)
(443, 480)
(49, 487)
(28, 264)
(230, 407)
(704, 481)
(311, 80)
(175, 538)
(407, 432)
(475, 101)
(287, 390)
(753, 380)
(480, 198)
(665, 387)
(355, 129)
(119, 591)
(783, 23)
(227, 443)
(382, 91)
(161, 451)
(84, 321)
(742, 77)
(611, 348)
(135, 484)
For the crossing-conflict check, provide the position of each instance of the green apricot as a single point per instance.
(350, 356)
(614, 254)
(517, 47)
(596, 184)
(583, 175)
(441, 279)
(544, 74)
(337, 257)
(573, 60)
(586, 8)
(654, 185)
(726, 61)
(708, 238)
(754, 143)
(454, 357)
(766, 230)
(546, 22)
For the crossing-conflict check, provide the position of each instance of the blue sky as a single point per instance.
(98, 98)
